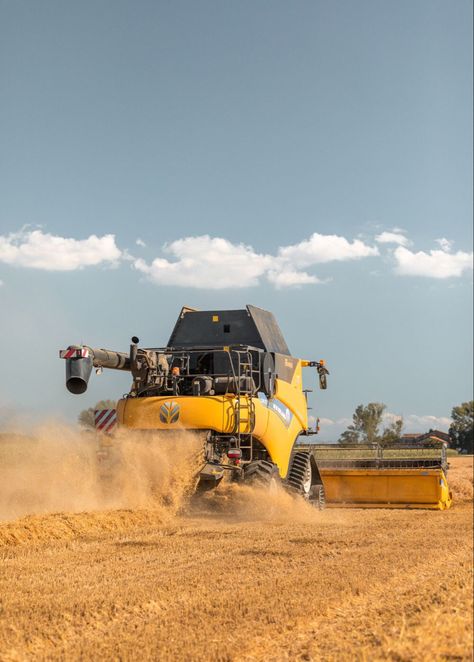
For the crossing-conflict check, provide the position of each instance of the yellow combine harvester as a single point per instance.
(229, 375)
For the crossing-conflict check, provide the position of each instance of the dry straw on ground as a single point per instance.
(237, 575)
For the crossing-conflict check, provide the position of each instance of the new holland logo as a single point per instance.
(169, 412)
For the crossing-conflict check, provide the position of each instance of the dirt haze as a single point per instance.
(57, 470)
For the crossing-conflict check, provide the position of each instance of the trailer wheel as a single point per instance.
(262, 474)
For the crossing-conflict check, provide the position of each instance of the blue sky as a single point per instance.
(316, 157)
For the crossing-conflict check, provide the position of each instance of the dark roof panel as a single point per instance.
(268, 330)
(253, 326)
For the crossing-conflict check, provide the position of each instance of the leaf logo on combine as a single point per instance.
(169, 412)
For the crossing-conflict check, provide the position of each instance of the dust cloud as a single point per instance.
(55, 469)
(238, 502)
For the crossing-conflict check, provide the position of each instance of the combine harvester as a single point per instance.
(229, 376)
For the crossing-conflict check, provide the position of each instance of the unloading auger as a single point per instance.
(229, 375)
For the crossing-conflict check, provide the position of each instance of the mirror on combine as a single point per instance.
(322, 372)
(323, 382)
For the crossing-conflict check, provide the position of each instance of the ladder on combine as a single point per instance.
(244, 404)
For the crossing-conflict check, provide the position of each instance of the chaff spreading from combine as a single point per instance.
(55, 469)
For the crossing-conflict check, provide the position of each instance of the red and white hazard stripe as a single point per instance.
(105, 420)
(74, 353)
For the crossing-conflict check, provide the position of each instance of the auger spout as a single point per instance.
(80, 359)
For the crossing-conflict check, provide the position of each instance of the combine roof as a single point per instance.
(217, 328)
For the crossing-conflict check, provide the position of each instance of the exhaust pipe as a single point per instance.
(78, 372)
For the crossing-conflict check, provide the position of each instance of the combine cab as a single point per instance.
(228, 376)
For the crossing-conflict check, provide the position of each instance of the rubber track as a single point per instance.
(298, 469)
(321, 497)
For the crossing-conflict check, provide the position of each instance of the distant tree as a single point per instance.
(462, 427)
(365, 427)
(86, 417)
(392, 433)
(350, 436)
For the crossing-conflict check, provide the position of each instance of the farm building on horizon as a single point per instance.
(431, 436)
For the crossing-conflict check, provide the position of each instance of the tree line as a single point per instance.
(366, 426)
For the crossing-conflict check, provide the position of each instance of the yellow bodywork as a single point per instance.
(277, 422)
(387, 488)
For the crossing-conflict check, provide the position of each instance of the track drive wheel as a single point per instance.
(262, 474)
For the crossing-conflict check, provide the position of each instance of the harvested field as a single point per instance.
(240, 577)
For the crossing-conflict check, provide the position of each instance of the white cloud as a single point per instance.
(445, 244)
(290, 278)
(435, 264)
(207, 262)
(326, 421)
(416, 423)
(216, 263)
(37, 250)
(388, 418)
(321, 248)
(392, 238)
